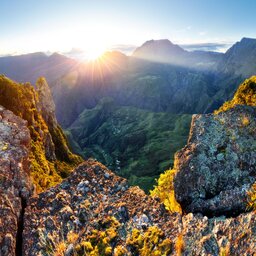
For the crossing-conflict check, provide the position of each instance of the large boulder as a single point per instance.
(218, 166)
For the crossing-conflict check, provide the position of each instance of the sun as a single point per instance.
(94, 52)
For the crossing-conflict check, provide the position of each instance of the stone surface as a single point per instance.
(15, 185)
(46, 104)
(82, 203)
(219, 236)
(217, 167)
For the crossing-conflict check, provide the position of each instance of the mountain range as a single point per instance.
(155, 89)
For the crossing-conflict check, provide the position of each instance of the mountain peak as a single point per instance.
(240, 58)
(159, 42)
(248, 40)
(162, 50)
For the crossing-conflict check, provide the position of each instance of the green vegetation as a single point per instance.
(135, 143)
(150, 242)
(252, 198)
(105, 240)
(22, 100)
(165, 191)
(245, 95)
(100, 242)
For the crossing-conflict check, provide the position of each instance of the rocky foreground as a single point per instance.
(95, 212)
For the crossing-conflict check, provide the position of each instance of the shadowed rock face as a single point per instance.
(15, 185)
(218, 166)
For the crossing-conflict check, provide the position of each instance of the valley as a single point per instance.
(123, 110)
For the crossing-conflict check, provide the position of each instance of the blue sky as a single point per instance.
(63, 25)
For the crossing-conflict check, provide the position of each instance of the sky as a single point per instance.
(92, 26)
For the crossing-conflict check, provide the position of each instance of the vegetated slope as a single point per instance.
(95, 212)
(50, 156)
(135, 143)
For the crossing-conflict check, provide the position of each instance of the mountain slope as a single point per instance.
(240, 58)
(123, 78)
(162, 51)
(146, 85)
(28, 67)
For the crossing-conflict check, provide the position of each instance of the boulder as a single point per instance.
(217, 167)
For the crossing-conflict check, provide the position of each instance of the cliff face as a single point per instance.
(15, 184)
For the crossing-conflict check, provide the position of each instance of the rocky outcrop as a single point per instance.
(46, 104)
(46, 107)
(50, 156)
(218, 166)
(56, 146)
(94, 212)
(15, 185)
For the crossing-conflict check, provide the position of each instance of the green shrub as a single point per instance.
(245, 95)
(165, 191)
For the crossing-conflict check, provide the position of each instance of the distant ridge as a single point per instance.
(240, 58)
(28, 67)
(164, 51)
